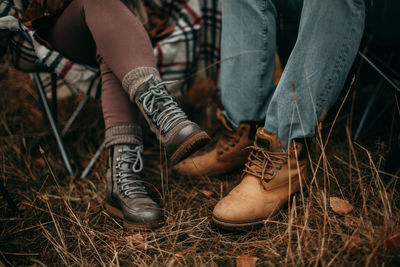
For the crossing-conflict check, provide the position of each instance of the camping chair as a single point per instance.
(387, 74)
(50, 111)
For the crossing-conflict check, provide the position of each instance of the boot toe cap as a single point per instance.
(144, 213)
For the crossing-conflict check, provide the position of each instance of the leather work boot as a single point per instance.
(269, 179)
(227, 154)
(179, 136)
(126, 195)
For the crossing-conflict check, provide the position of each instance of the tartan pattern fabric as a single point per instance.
(191, 50)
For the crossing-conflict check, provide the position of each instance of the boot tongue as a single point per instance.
(267, 141)
(224, 121)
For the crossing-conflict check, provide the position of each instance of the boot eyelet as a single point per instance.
(220, 152)
(233, 145)
(226, 148)
(279, 167)
(243, 128)
(237, 140)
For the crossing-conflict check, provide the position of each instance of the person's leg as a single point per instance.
(329, 36)
(117, 108)
(123, 43)
(106, 27)
(327, 43)
(248, 47)
(247, 82)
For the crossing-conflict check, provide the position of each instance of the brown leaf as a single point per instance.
(353, 243)
(2, 264)
(207, 193)
(137, 241)
(393, 241)
(351, 221)
(38, 162)
(43, 197)
(340, 206)
(246, 261)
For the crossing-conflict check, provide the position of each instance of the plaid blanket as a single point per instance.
(192, 50)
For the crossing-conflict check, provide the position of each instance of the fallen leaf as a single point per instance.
(2, 264)
(351, 221)
(43, 197)
(340, 206)
(353, 243)
(246, 261)
(38, 162)
(207, 193)
(137, 241)
(393, 241)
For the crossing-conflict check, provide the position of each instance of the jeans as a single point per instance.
(329, 35)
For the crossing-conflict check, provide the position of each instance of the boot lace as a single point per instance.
(161, 107)
(264, 164)
(129, 165)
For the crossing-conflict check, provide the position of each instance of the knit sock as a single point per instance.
(124, 134)
(133, 79)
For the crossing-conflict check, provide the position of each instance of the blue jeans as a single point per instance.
(329, 35)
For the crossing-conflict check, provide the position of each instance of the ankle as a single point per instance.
(134, 78)
(123, 134)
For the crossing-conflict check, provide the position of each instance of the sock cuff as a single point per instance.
(134, 78)
(125, 134)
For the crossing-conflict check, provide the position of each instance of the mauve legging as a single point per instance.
(105, 32)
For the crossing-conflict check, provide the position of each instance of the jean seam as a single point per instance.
(263, 69)
(338, 66)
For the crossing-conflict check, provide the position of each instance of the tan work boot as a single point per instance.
(270, 177)
(228, 154)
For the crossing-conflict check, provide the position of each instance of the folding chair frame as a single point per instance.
(384, 77)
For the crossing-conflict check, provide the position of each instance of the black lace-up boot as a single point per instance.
(179, 136)
(126, 194)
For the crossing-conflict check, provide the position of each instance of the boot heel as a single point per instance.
(190, 145)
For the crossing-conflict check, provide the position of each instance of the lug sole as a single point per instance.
(115, 212)
(190, 145)
(236, 226)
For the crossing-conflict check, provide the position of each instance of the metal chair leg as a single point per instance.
(368, 109)
(92, 161)
(49, 115)
(4, 192)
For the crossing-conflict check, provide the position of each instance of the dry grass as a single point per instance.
(62, 221)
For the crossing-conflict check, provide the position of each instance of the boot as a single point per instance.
(269, 179)
(126, 194)
(227, 154)
(179, 136)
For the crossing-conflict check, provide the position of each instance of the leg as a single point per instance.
(87, 25)
(328, 39)
(248, 59)
(329, 36)
(123, 43)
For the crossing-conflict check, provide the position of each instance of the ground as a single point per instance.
(62, 221)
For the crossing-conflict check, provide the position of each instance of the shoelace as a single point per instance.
(129, 165)
(167, 116)
(263, 163)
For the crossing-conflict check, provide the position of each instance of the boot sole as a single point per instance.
(115, 212)
(190, 145)
(236, 226)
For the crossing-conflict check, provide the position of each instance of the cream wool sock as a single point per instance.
(125, 134)
(133, 79)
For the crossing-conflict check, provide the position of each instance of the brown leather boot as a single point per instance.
(270, 177)
(126, 194)
(179, 136)
(228, 154)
